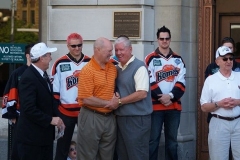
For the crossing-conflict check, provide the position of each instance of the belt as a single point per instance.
(95, 111)
(225, 118)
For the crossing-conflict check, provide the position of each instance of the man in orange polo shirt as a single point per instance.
(96, 135)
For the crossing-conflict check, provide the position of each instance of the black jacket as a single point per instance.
(36, 111)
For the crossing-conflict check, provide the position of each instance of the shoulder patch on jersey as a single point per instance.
(157, 62)
(177, 61)
(237, 69)
(65, 67)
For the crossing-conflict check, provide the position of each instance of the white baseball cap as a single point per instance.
(40, 49)
(222, 51)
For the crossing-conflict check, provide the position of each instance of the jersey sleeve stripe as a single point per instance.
(154, 86)
(149, 58)
(180, 85)
(62, 59)
(56, 96)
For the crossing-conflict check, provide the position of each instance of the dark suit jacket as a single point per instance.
(36, 110)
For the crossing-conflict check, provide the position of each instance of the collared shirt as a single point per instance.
(218, 87)
(38, 69)
(97, 82)
(141, 77)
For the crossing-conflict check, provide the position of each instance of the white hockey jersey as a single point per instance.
(167, 74)
(64, 74)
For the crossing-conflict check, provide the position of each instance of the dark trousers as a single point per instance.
(171, 120)
(14, 155)
(64, 142)
(133, 137)
(29, 152)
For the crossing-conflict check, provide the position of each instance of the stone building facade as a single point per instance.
(95, 18)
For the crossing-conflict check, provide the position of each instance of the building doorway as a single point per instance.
(217, 19)
(230, 26)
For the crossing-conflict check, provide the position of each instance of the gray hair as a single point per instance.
(34, 60)
(124, 40)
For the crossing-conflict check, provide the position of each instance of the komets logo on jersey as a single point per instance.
(167, 73)
(72, 80)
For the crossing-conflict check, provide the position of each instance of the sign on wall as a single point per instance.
(127, 23)
(12, 53)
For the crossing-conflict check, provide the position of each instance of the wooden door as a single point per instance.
(230, 27)
(217, 19)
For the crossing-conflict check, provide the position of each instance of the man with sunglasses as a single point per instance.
(213, 68)
(221, 96)
(167, 77)
(65, 73)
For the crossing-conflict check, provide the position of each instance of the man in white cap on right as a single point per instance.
(38, 118)
(221, 96)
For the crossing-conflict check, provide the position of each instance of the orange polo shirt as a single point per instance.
(97, 82)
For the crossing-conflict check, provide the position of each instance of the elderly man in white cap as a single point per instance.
(38, 118)
(221, 96)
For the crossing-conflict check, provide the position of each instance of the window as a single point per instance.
(235, 34)
(24, 17)
(33, 17)
(32, 3)
(24, 3)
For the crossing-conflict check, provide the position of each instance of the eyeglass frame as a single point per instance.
(226, 59)
(162, 39)
(76, 45)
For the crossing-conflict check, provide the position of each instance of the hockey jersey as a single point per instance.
(64, 77)
(10, 103)
(167, 74)
(114, 60)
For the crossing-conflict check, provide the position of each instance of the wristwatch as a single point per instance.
(119, 102)
(216, 105)
(171, 95)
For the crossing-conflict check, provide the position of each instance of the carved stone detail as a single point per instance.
(209, 2)
(205, 50)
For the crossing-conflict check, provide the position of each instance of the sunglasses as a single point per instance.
(72, 149)
(225, 59)
(162, 39)
(75, 45)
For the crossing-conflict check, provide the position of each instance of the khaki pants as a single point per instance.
(221, 133)
(96, 136)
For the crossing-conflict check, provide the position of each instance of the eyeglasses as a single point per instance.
(75, 45)
(162, 39)
(225, 59)
(72, 149)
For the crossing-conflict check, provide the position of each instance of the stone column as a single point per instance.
(181, 18)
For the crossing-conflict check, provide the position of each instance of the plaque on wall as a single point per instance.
(127, 23)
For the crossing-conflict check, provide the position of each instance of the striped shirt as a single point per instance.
(94, 81)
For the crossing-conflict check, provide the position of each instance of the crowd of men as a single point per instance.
(119, 104)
